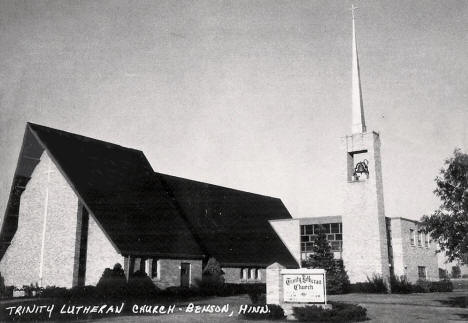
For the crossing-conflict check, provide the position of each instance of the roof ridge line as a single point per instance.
(82, 136)
(225, 187)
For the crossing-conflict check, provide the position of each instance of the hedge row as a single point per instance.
(340, 312)
(376, 284)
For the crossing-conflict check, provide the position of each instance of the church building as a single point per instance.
(78, 205)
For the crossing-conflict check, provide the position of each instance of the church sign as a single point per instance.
(304, 286)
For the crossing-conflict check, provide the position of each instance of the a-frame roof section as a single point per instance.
(232, 225)
(118, 186)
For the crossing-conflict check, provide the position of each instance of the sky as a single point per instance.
(252, 95)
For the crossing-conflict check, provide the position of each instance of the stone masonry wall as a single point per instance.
(365, 250)
(101, 254)
(289, 232)
(21, 263)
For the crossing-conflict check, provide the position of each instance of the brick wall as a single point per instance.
(232, 275)
(397, 247)
(170, 272)
(413, 255)
(21, 263)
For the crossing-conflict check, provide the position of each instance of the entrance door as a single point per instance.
(185, 274)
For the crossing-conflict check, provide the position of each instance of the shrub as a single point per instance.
(422, 286)
(441, 286)
(375, 285)
(213, 269)
(275, 312)
(465, 276)
(337, 279)
(8, 291)
(140, 285)
(257, 297)
(113, 283)
(340, 312)
(32, 289)
(401, 285)
(54, 292)
(212, 277)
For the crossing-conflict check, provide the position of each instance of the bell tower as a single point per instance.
(365, 251)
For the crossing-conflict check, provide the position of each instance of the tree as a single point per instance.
(322, 257)
(448, 225)
(213, 274)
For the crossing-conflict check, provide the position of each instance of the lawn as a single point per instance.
(428, 307)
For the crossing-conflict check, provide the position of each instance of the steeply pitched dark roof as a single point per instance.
(232, 225)
(118, 186)
(147, 213)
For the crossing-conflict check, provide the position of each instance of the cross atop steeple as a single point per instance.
(359, 122)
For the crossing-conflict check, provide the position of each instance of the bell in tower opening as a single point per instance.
(361, 168)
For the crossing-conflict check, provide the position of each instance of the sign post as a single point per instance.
(291, 288)
(304, 286)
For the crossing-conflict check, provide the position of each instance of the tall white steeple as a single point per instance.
(359, 122)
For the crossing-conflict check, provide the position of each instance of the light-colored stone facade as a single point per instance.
(365, 250)
(33, 250)
(412, 249)
(289, 232)
(49, 197)
(101, 253)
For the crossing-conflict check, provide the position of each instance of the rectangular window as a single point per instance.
(302, 229)
(426, 240)
(244, 273)
(411, 232)
(147, 266)
(304, 238)
(155, 268)
(422, 272)
(335, 228)
(252, 273)
(258, 274)
(420, 238)
(309, 229)
(330, 237)
(339, 236)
